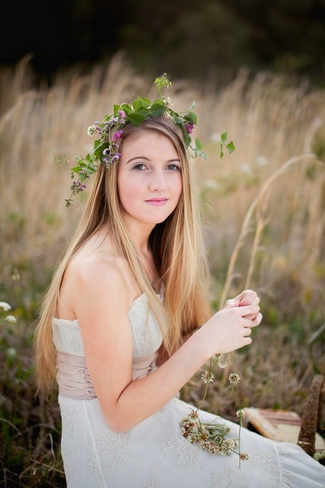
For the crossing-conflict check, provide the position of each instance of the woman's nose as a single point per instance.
(158, 181)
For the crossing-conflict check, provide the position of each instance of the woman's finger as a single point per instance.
(257, 320)
(248, 297)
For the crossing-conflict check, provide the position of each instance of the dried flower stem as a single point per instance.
(213, 437)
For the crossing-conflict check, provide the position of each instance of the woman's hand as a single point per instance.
(230, 328)
(247, 297)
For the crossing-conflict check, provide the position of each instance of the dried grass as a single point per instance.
(263, 209)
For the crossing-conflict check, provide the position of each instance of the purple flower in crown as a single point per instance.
(117, 135)
(189, 126)
(77, 186)
(112, 121)
(122, 114)
(116, 158)
(98, 128)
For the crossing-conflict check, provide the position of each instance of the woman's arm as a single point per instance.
(101, 303)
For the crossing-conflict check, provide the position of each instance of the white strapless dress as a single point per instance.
(154, 454)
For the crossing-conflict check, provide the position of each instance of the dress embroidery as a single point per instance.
(182, 454)
(69, 418)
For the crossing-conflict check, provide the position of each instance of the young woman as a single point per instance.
(126, 323)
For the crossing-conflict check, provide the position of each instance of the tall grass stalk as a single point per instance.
(260, 200)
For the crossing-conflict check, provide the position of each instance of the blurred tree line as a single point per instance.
(186, 38)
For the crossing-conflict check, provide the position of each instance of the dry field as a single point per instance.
(264, 225)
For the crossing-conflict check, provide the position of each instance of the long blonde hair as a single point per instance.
(177, 247)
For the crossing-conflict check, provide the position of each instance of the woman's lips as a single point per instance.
(157, 202)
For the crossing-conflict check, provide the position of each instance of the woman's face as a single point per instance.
(149, 177)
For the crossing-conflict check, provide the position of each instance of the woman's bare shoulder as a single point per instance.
(98, 263)
(94, 270)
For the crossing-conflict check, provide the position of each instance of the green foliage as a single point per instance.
(272, 315)
(318, 143)
(51, 219)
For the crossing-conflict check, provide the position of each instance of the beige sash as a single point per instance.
(73, 377)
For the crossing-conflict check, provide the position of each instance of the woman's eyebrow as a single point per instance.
(137, 157)
(147, 159)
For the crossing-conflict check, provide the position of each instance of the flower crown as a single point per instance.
(110, 131)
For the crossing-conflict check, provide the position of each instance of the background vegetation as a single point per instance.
(186, 38)
(264, 226)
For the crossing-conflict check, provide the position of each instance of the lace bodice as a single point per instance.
(146, 338)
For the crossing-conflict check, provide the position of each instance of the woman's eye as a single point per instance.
(140, 167)
(173, 167)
